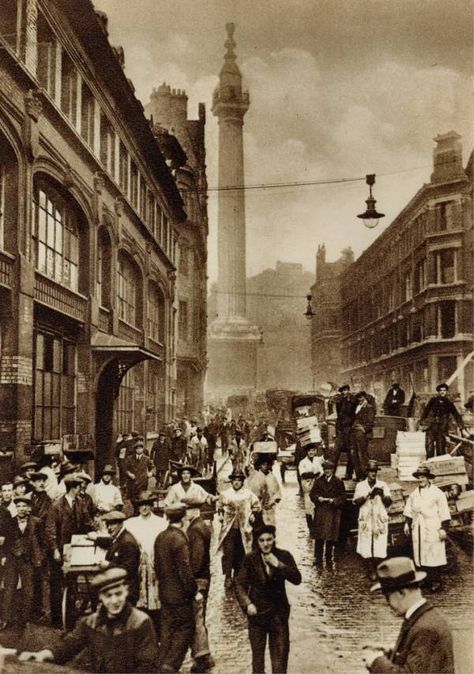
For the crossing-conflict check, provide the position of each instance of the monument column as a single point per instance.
(232, 339)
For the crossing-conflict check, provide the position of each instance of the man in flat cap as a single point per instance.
(260, 590)
(124, 550)
(118, 637)
(23, 556)
(436, 417)
(425, 642)
(177, 588)
(328, 495)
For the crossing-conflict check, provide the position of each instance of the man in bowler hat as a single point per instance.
(425, 642)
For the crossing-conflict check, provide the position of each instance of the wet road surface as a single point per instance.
(333, 613)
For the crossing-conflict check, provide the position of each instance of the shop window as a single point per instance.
(156, 314)
(183, 324)
(68, 88)
(46, 68)
(87, 115)
(8, 23)
(446, 266)
(107, 144)
(128, 287)
(56, 236)
(123, 168)
(447, 319)
(55, 387)
(125, 405)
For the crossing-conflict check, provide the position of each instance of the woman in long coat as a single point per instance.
(427, 516)
(328, 495)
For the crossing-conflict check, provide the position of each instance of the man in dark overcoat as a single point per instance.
(177, 590)
(40, 505)
(328, 495)
(138, 468)
(361, 431)
(179, 445)
(124, 551)
(260, 590)
(160, 456)
(436, 416)
(392, 405)
(425, 642)
(345, 404)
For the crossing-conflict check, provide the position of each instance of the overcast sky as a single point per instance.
(338, 88)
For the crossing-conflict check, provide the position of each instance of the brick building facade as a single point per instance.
(407, 301)
(182, 141)
(89, 222)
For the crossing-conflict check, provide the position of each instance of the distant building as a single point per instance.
(407, 301)
(89, 220)
(182, 142)
(326, 356)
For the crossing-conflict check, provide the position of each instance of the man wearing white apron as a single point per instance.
(373, 497)
(309, 468)
(427, 517)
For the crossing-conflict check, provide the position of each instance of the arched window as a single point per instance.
(56, 233)
(128, 290)
(103, 268)
(156, 313)
(8, 195)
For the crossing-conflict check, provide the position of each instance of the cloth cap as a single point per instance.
(72, 479)
(25, 498)
(114, 516)
(108, 469)
(83, 476)
(145, 497)
(344, 387)
(18, 479)
(372, 465)
(187, 466)
(396, 573)
(395, 385)
(328, 464)
(38, 475)
(440, 386)
(424, 471)
(176, 512)
(28, 465)
(265, 529)
(237, 475)
(109, 578)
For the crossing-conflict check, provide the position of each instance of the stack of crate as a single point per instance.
(410, 453)
(448, 470)
(307, 430)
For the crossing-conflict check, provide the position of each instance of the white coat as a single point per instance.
(195, 495)
(268, 491)
(427, 507)
(372, 534)
(236, 507)
(315, 466)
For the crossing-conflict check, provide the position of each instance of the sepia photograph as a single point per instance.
(236, 336)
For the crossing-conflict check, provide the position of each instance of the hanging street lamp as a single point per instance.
(371, 217)
(309, 313)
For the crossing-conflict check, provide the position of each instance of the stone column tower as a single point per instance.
(232, 339)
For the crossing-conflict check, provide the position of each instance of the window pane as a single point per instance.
(55, 389)
(47, 388)
(39, 388)
(49, 262)
(51, 229)
(42, 199)
(57, 363)
(55, 431)
(39, 352)
(39, 423)
(58, 268)
(59, 237)
(42, 224)
(47, 423)
(41, 258)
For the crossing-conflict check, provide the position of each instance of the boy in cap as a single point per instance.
(23, 556)
(262, 597)
(117, 636)
(425, 642)
(436, 415)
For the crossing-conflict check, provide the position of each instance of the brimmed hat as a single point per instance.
(440, 386)
(424, 471)
(397, 573)
(25, 498)
(176, 512)
(28, 465)
(38, 475)
(145, 497)
(83, 476)
(72, 479)
(237, 475)
(372, 465)
(108, 579)
(328, 464)
(187, 466)
(108, 469)
(265, 529)
(18, 479)
(114, 516)
(344, 387)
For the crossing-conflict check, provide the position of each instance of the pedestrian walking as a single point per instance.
(124, 551)
(179, 445)
(238, 451)
(328, 495)
(118, 637)
(138, 469)
(178, 590)
(372, 496)
(436, 417)
(361, 431)
(160, 456)
(23, 555)
(260, 590)
(345, 404)
(265, 486)
(427, 520)
(310, 468)
(199, 537)
(236, 508)
(425, 641)
(392, 405)
(198, 449)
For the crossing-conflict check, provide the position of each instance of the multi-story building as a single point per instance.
(407, 311)
(326, 357)
(183, 144)
(89, 218)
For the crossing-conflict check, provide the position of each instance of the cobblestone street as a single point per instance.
(333, 614)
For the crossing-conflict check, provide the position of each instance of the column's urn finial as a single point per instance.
(230, 43)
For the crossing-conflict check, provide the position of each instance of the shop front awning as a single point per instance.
(120, 348)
